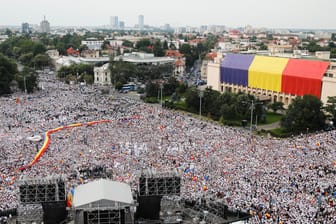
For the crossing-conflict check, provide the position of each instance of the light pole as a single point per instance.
(252, 106)
(24, 83)
(201, 94)
(161, 87)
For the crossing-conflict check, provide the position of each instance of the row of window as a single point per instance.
(276, 97)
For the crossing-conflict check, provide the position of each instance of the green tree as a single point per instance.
(26, 59)
(276, 106)
(165, 45)
(80, 71)
(27, 78)
(41, 60)
(304, 114)
(61, 43)
(188, 52)
(127, 43)
(8, 69)
(192, 99)
(243, 106)
(152, 89)
(121, 72)
(170, 86)
(210, 102)
(158, 50)
(143, 43)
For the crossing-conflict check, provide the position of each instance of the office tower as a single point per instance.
(166, 27)
(141, 22)
(122, 25)
(114, 22)
(45, 26)
(25, 28)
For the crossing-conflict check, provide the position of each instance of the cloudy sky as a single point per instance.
(315, 14)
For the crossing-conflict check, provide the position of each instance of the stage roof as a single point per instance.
(102, 194)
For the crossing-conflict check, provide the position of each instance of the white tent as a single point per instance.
(102, 194)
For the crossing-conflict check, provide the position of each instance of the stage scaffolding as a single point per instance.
(153, 183)
(34, 192)
(30, 213)
(104, 215)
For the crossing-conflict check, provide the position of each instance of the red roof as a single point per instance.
(71, 51)
(234, 32)
(179, 63)
(195, 41)
(173, 53)
(211, 56)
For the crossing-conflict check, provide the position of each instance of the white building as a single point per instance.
(45, 26)
(53, 53)
(102, 75)
(144, 58)
(141, 22)
(93, 43)
(114, 22)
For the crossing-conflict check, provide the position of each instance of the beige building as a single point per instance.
(329, 83)
(102, 75)
(213, 77)
(213, 81)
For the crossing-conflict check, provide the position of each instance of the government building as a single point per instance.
(274, 79)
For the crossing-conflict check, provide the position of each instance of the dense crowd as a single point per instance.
(276, 180)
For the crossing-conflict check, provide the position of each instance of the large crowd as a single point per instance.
(276, 180)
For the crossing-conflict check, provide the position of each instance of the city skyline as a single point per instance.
(305, 14)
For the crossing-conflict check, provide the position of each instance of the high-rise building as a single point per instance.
(114, 22)
(25, 28)
(141, 20)
(166, 27)
(121, 25)
(45, 26)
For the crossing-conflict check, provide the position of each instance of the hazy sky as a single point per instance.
(233, 13)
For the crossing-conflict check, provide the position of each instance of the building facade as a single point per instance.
(114, 22)
(102, 75)
(144, 58)
(329, 82)
(25, 28)
(93, 43)
(141, 22)
(273, 78)
(180, 62)
(45, 26)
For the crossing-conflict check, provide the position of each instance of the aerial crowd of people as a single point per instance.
(276, 180)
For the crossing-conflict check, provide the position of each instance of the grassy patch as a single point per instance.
(280, 133)
(151, 100)
(273, 117)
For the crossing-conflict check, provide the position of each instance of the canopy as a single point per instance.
(302, 77)
(102, 194)
(266, 73)
(234, 69)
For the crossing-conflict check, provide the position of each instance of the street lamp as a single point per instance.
(201, 94)
(252, 108)
(24, 83)
(161, 87)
